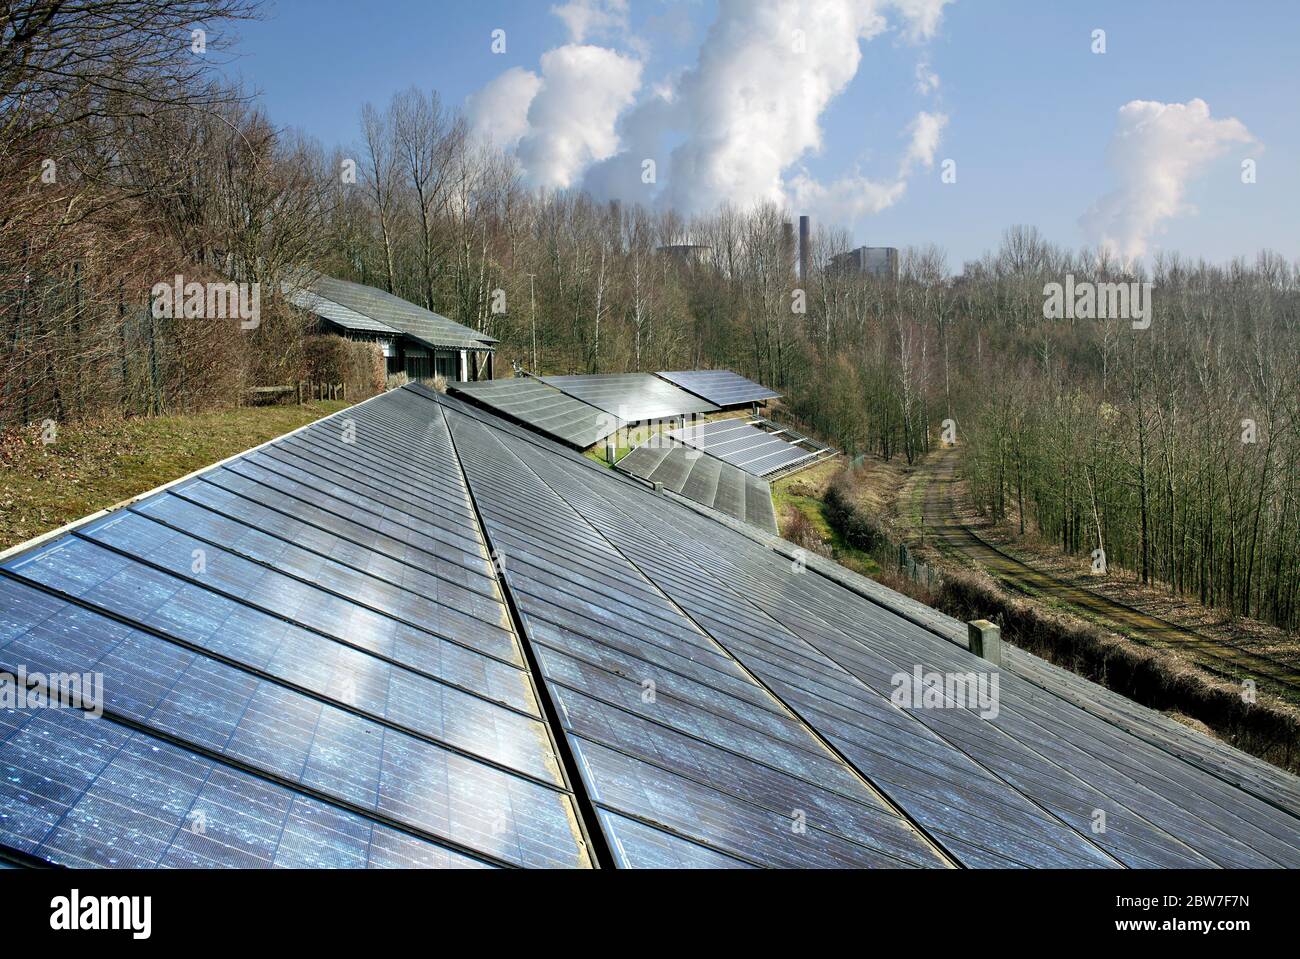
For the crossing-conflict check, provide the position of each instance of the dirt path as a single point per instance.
(953, 537)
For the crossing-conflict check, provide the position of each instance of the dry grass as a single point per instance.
(93, 465)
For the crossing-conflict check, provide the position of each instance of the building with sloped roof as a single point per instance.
(416, 341)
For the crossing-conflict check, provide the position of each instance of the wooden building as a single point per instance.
(415, 341)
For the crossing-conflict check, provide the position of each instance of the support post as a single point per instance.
(985, 640)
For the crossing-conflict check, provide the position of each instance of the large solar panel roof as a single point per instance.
(367, 309)
(720, 387)
(416, 633)
(706, 480)
(632, 397)
(543, 407)
(747, 447)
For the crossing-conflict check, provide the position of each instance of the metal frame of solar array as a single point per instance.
(534, 403)
(306, 661)
(311, 647)
(633, 397)
(721, 387)
(706, 480)
(736, 442)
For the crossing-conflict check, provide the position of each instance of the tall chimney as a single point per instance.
(805, 248)
(787, 243)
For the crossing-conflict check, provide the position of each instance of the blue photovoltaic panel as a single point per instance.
(632, 397)
(720, 387)
(670, 763)
(1018, 787)
(309, 651)
(541, 406)
(319, 618)
(93, 793)
(746, 447)
(705, 480)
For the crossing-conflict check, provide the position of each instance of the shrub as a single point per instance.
(860, 530)
(357, 363)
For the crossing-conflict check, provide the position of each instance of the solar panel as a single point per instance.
(318, 621)
(753, 450)
(706, 480)
(632, 397)
(721, 387)
(418, 634)
(543, 407)
(1018, 788)
(640, 758)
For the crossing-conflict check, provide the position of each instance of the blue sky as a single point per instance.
(1029, 112)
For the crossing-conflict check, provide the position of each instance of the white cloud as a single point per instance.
(571, 120)
(499, 112)
(852, 197)
(921, 17)
(589, 19)
(621, 177)
(767, 72)
(1156, 151)
(846, 199)
(927, 81)
(745, 116)
(926, 130)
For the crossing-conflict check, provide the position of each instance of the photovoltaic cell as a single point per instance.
(720, 387)
(544, 408)
(638, 761)
(308, 652)
(746, 447)
(1016, 788)
(94, 793)
(306, 740)
(705, 480)
(316, 627)
(632, 397)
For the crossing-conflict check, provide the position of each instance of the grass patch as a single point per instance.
(94, 465)
(802, 517)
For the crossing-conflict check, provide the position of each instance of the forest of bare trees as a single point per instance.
(1172, 448)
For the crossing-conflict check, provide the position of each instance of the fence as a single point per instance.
(308, 391)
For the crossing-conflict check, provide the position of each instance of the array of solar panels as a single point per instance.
(720, 387)
(632, 397)
(309, 651)
(746, 447)
(306, 660)
(541, 406)
(583, 410)
(706, 480)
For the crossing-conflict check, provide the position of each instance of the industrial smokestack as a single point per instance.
(787, 243)
(805, 248)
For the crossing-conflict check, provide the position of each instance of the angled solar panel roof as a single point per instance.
(632, 397)
(720, 387)
(338, 313)
(365, 308)
(417, 633)
(305, 649)
(744, 446)
(706, 480)
(543, 407)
